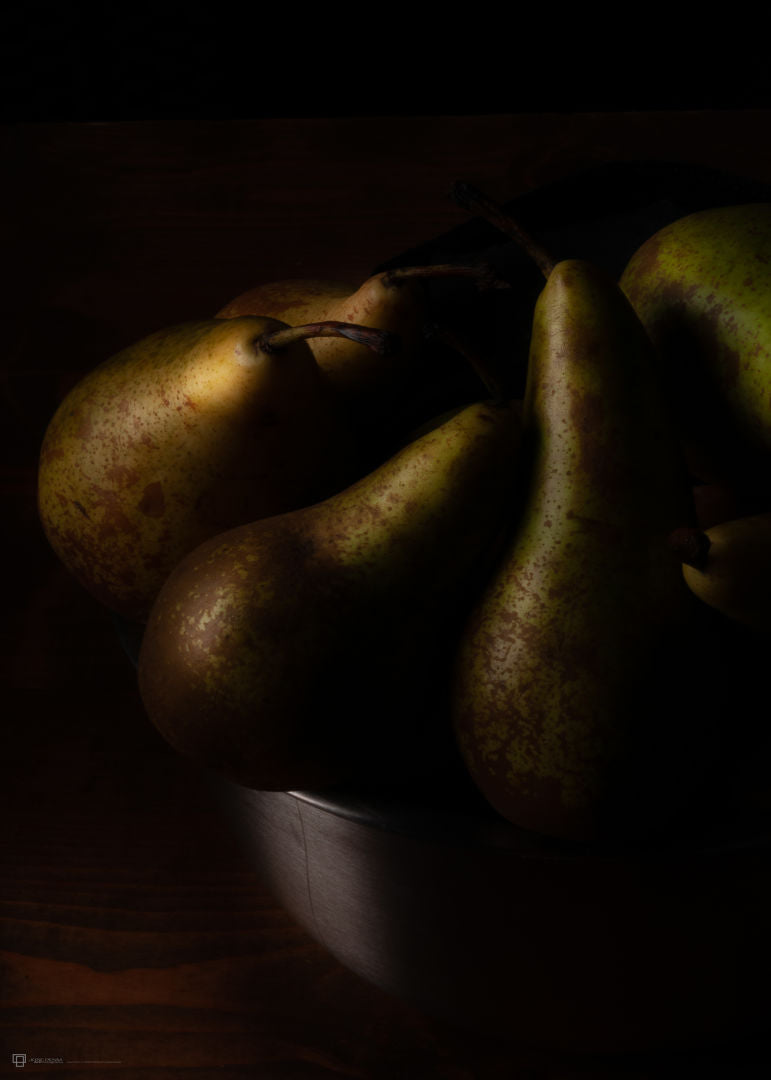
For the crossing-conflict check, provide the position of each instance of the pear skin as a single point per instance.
(702, 288)
(294, 301)
(563, 691)
(734, 576)
(188, 432)
(351, 368)
(312, 647)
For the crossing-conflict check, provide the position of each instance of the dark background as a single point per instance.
(215, 62)
(134, 925)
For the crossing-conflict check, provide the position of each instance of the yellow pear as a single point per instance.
(393, 300)
(729, 568)
(192, 430)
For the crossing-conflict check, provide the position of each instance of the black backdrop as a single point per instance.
(127, 63)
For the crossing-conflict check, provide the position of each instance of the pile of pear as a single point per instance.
(537, 589)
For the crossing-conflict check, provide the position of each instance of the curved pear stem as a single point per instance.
(475, 201)
(482, 273)
(382, 342)
(691, 546)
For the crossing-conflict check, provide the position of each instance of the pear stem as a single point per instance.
(691, 546)
(475, 201)
(483, 273)
(382, 342)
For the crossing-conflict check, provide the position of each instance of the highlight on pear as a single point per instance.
(192, 430)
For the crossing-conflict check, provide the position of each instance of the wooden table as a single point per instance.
(137, 936)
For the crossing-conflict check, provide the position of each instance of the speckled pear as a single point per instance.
(192, 430)
(392, 300)
(702, 288)
(312, 647)
(568, 690)
(301, 300)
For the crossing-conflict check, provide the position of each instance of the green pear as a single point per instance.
(702, 288)
(568, 693)
(192, 430)
(312, 647)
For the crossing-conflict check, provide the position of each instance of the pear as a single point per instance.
(393, 300)
(728, 566)
(192, 430)
(568, 695)
(702, 288)
(311, 648)
(295, 301)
